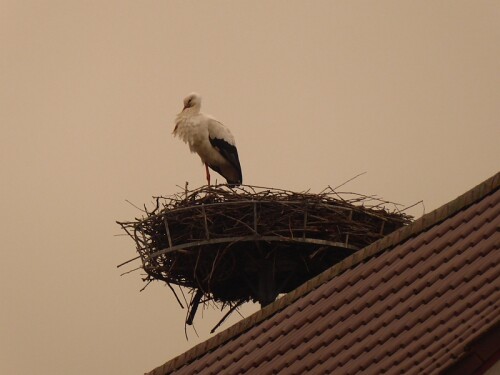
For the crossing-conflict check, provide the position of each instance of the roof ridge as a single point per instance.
(426, 221)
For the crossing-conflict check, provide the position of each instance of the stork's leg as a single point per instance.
(208, 174)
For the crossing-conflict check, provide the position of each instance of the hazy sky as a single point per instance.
(315, 92)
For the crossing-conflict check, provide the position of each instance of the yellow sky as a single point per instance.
(314, 92)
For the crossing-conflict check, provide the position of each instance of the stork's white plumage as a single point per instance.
(211, 140)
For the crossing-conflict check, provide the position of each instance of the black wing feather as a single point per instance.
(229, 152)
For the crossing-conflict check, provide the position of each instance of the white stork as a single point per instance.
(211, 140)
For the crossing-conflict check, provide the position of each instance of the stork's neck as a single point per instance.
(186, 116)
(193, 111)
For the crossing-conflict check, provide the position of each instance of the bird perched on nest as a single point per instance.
(211, 140)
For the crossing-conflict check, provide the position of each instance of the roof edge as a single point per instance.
(426, 221)
(480, 354)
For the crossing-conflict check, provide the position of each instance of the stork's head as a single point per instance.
(192, 102)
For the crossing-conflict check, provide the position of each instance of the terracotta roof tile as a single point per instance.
(410, 304)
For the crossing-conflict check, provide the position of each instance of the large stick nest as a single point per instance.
(231, 245)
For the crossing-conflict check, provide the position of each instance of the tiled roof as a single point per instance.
(410, 303)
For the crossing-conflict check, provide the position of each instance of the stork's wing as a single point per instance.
(221, 138)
